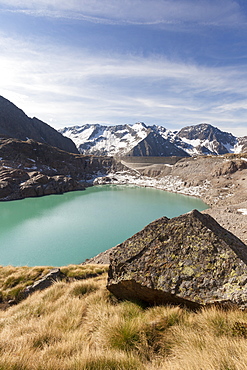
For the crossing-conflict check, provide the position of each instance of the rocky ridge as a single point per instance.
(29, 169)
(14, 123)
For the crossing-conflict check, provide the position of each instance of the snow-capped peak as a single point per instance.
(122, 139)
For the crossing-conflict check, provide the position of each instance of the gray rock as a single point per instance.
(189, 260)
(53, 276)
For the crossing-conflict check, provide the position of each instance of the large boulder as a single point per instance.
(189, 260)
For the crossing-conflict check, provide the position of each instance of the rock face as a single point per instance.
(155, 145)
(15, 123)
(208, 139)
(189, 260)
(29, 169)
(39, 184)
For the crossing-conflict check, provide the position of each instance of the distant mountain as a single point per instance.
(156, 146)
(16, 124)
(106, 140)
(242, 143)
(142, 140)
(206, 139)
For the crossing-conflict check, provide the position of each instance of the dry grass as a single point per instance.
(14, 280)
(80, 325)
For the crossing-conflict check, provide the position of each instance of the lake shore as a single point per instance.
(220, 182)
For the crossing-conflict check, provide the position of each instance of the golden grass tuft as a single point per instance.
(78, 324)
(13, 280)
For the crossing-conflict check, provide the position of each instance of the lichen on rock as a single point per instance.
(188, 260)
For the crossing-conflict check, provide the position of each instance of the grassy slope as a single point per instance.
(13, 280)
(79, 325)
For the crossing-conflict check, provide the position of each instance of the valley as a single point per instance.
(200, 160)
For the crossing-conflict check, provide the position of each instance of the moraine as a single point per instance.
(67, 229)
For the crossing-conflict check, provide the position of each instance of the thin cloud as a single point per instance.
(62, 68)
(233, 106)
(211, 12)
(59, 85)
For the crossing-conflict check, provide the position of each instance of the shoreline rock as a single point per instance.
(30, 169)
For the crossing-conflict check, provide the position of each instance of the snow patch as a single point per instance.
(243, 211)
(120, 139)
(230, 148)
(30, 168)
(168, 183)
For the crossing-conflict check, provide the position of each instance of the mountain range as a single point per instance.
(142, 140)
(120, 140)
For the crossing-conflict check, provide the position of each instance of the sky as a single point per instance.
(173, 63)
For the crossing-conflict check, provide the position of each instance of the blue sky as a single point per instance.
(167, 62)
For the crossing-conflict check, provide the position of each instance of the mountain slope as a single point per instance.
(105, 140)
(139, 139)
(14, 123)
(206, 139)
(155, 145)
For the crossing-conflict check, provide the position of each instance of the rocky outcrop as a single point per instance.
(29, 168)
(39, 184)
(231, 167)
(45, 282)
(15, 123)
(189, 260)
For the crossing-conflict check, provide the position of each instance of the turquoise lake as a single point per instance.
(57, 230)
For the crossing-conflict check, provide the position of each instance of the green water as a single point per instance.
(58, 230)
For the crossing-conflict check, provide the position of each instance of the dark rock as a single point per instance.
(11, 302)
(9, 180)
(39, 185)
(188, 260)
(155, 145)
(5, 189)
(30, 169)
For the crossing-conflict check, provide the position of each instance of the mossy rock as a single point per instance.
(188, 260)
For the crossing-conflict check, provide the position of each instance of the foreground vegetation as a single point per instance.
(14, 280)
(78, 324)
